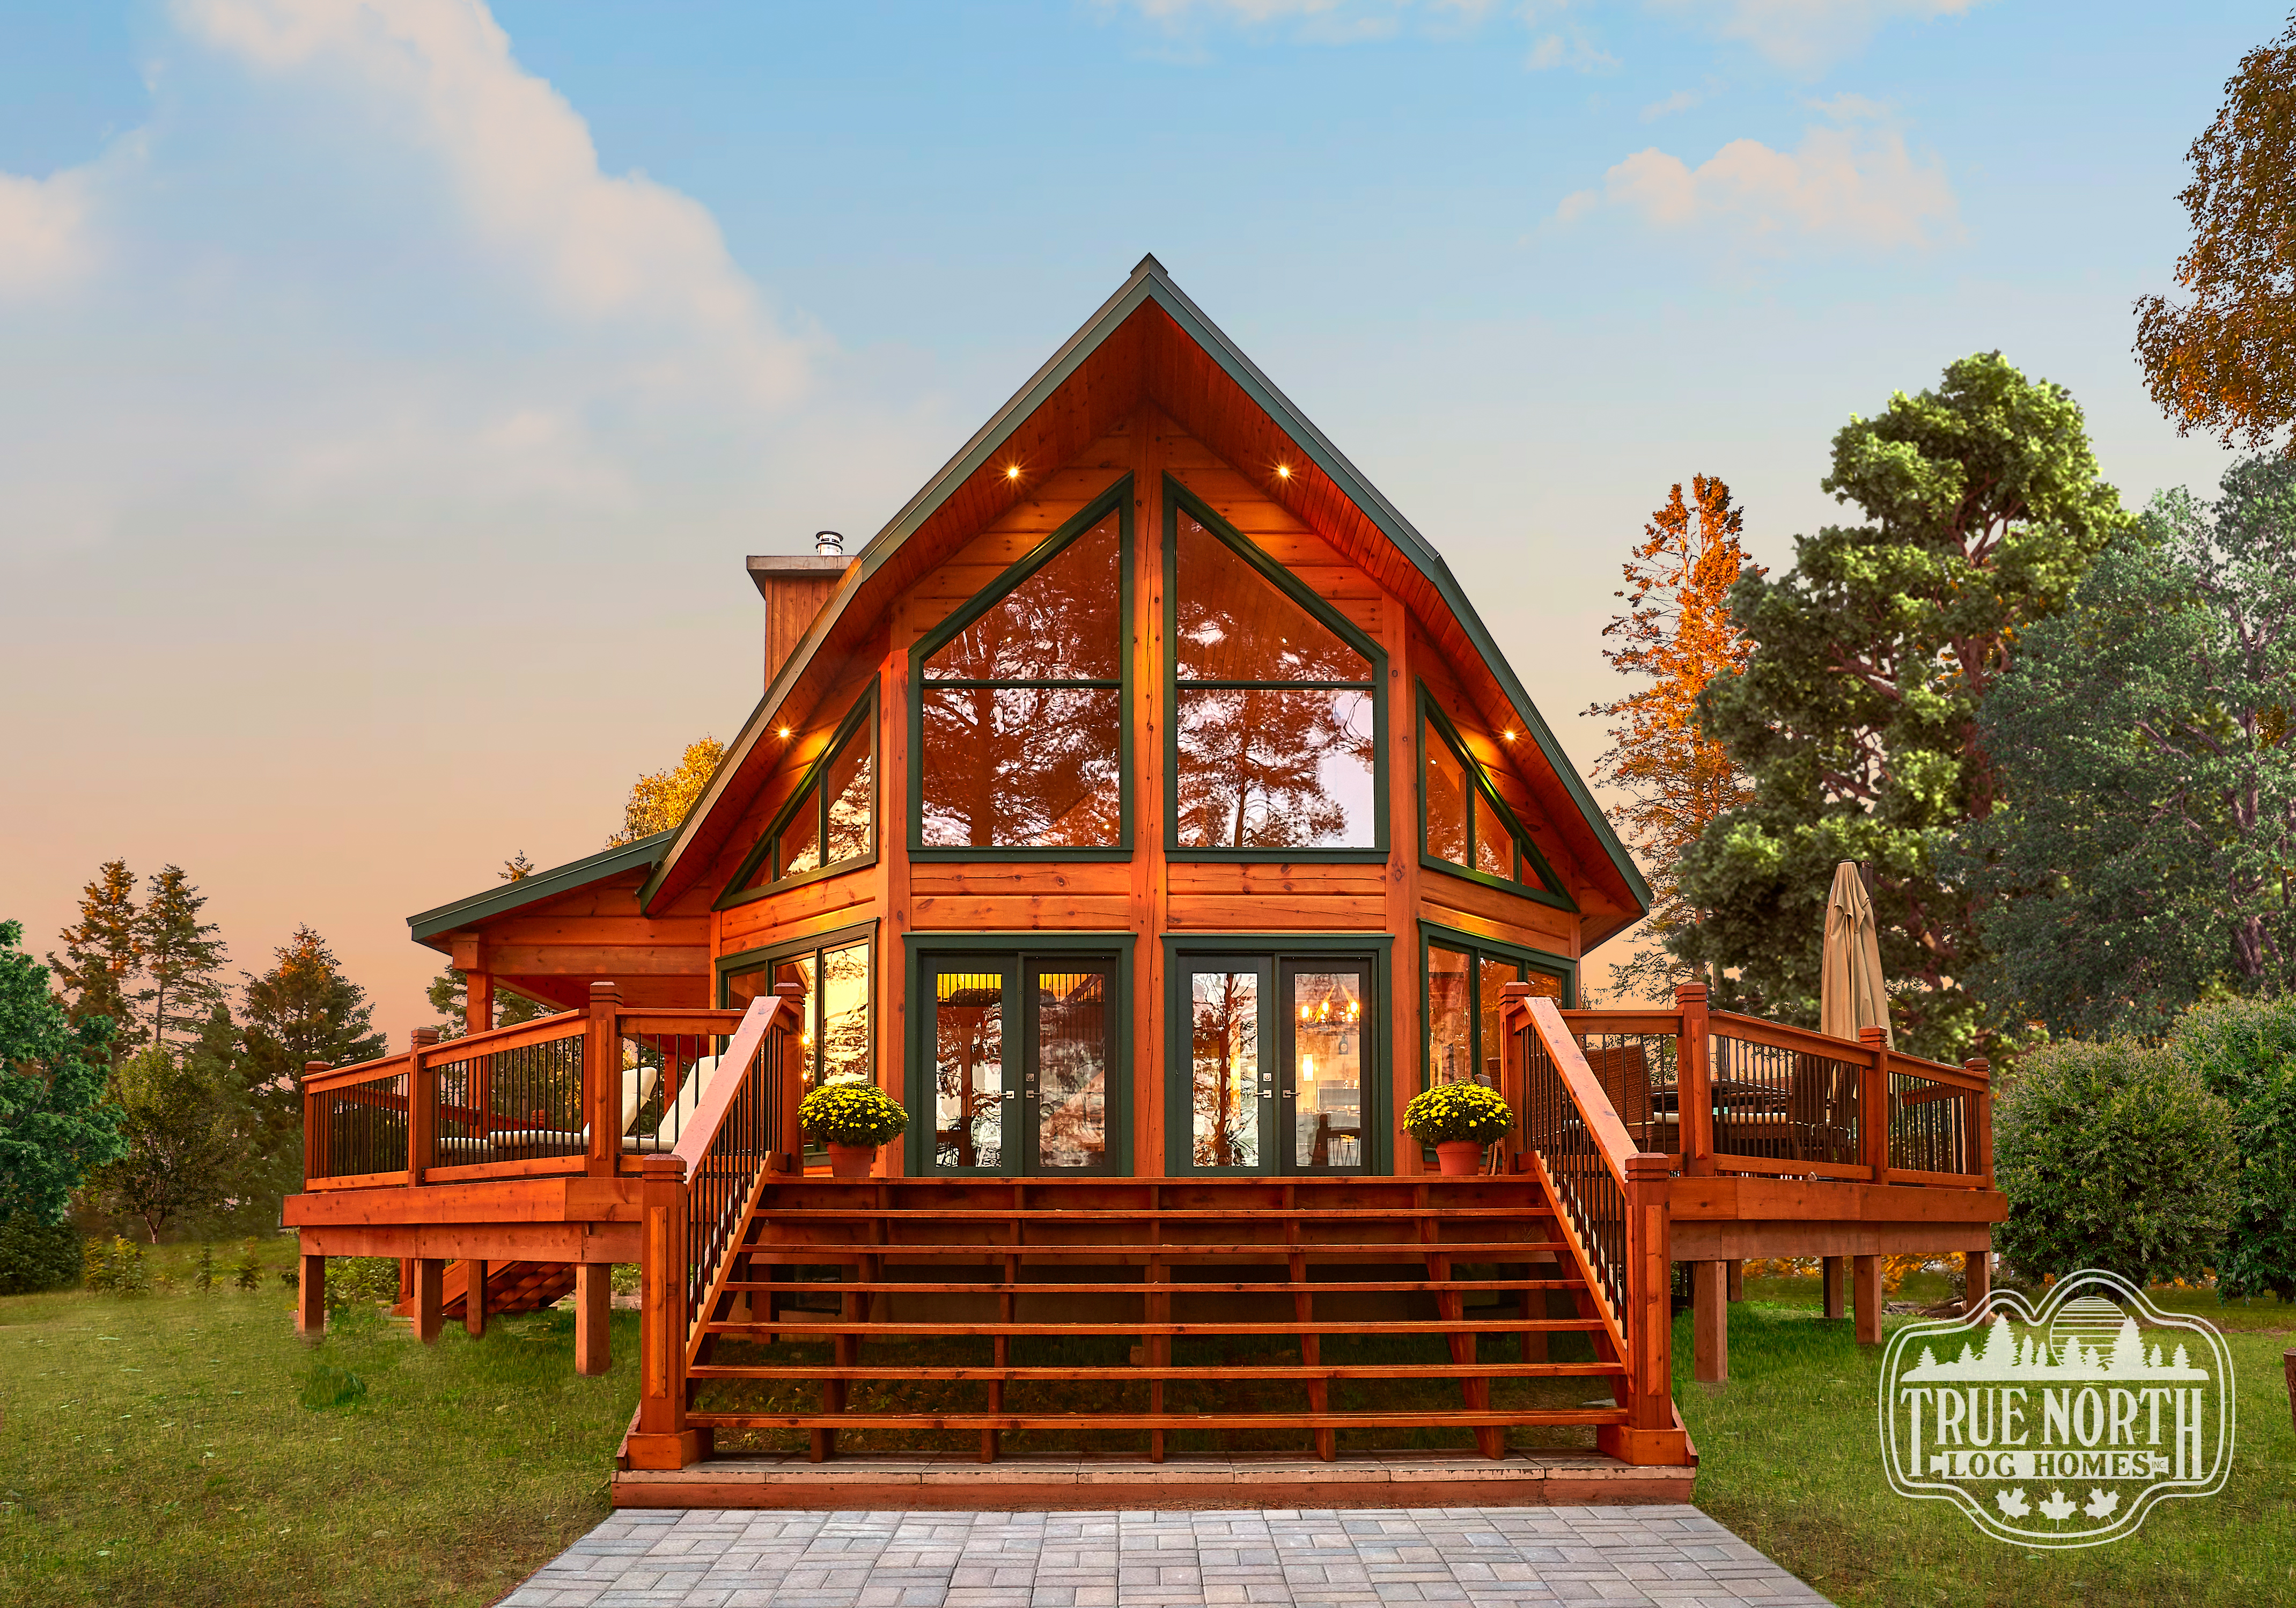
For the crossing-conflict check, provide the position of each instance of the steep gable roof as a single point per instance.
(1148, 339)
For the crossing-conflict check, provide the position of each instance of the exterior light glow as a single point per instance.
(1509, 735)
(785, 731)
(1283, 472)
(1011, 471)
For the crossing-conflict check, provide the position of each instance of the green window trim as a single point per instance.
(1272, 949)
(766, 957)
(1118, 498)
(1176, 497)
(917, 1057)
(1436, 727)
(863, 714)
(1433, 935)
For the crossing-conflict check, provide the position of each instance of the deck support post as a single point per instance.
(1710, 1324)
(1737, 1279)
(594, 1287)
(1650, 1437)
(311, 1299)
(662, 1440)
(1868, 1280)
(474, 1299)
(1977, 1280)
(429, 1282)
(1833, 1268)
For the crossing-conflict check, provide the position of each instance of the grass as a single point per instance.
(159, 1449)
(186, 1449)
(1790, 1461)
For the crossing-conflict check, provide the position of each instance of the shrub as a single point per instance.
(246, 1274)
(36, 1255)
(854, 1113)
(361, 1281)
(117, 1267)
(1451, 1112)
(2246, 1051)
(2114, 1155)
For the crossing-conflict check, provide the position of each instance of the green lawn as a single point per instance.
(155, 1449)
(158, 1449)
(1790, 1461)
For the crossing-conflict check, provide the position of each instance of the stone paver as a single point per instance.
(1488, 1557)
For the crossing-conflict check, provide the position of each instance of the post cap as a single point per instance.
(1873, 1038)
(317, 1066)
(790, 990)
(1690, 993)
(662, 1167)
(423, 1038)
(602, 989)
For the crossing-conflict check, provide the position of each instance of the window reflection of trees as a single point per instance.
(1072, 1070)
(1021, 711)
(1465, 989)
(1274, 718)
(969, 1068)
(841, 799)
(833, 1042)
(1226, 1063)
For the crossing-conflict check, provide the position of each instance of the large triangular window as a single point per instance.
(1275, 715)
(1467, 826)
(1019, 718)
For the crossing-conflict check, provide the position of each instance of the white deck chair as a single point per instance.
(677, 1116)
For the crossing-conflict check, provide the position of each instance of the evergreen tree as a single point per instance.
(2142, 861)
(183, 960)
(659, 801)
(303, 1009)
(182, 1144)
(104, 952)
(55, 1123)
(1857, 714)
(449, 991)
(1678, 632)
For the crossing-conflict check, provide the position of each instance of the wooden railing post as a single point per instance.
(1873, 1103)
(1980, 1109)
(1694, 1091)
(421, 1103)
(788, 1091)
(315, 1132)
(1515, 1073)
(662, 1440)
(1654, 1437)
(602, 1081)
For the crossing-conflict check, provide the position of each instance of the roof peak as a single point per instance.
(1149, 264)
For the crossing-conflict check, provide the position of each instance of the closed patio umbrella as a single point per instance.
(1851, 995)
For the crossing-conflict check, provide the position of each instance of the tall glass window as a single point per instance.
(1227, 1079)
(1465, 825)
(832, 821)
(1465, 986)
(1275, 713)
(1021, 710)
(833, 1040)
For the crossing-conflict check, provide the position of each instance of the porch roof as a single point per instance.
(505, 897)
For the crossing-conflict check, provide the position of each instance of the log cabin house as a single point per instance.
(1146, 809)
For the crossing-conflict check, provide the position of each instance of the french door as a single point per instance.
(1276, 1078)
(1020, 1053)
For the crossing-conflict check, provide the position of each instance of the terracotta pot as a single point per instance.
(1459, 1158)
(851, 1161)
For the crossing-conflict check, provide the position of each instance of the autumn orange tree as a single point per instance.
(1677, 632)
(658, 801)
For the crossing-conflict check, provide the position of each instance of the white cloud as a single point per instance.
(44, 230)
(1323, 21)
(1569, 47)
(522, 164)
(1681, 100)
(1804, 35)
(1845, 186)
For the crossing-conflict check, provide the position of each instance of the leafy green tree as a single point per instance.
(54, 1124)
(2246, 1050)
(2114, 1155)
(104, 952)
(303, 1009)
(183, 959)
(2143, 859)
(183, 1144)
(1857, 714)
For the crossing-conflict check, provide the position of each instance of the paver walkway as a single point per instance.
(1492, 1557)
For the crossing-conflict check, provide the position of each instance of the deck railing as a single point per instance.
(1718, 1092)
(355, 1126)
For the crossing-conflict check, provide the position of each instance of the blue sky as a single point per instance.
(393, 390)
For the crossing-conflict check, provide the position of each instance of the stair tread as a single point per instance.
(1118, 1373)
(1450, 1326)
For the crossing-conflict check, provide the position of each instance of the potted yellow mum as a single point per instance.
(1459, 1119)
(851, 1119)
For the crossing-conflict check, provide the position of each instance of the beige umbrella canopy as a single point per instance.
(1851, 995)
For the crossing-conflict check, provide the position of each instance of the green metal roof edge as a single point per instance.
(542, 885)
(1149, 280)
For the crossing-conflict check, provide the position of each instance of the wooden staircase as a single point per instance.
(511, 1287)
(1266, 1307)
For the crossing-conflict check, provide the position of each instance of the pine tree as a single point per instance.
(659, 801)
(104, 952)
(182, 959)
(1677, 632)
(303, 1009)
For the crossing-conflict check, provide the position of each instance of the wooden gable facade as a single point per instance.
(1429, 845)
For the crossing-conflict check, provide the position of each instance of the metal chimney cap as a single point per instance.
(828, 543)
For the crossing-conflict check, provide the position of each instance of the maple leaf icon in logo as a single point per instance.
(2101, 1502)
(2012, 1503)
(2059, 1506)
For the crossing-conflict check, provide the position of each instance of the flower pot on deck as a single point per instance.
(1459, 1158)
(851, 1161)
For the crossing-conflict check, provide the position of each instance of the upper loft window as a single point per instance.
(830, 826)
(1276, 699)
(1018, 723)
(1468, 828)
